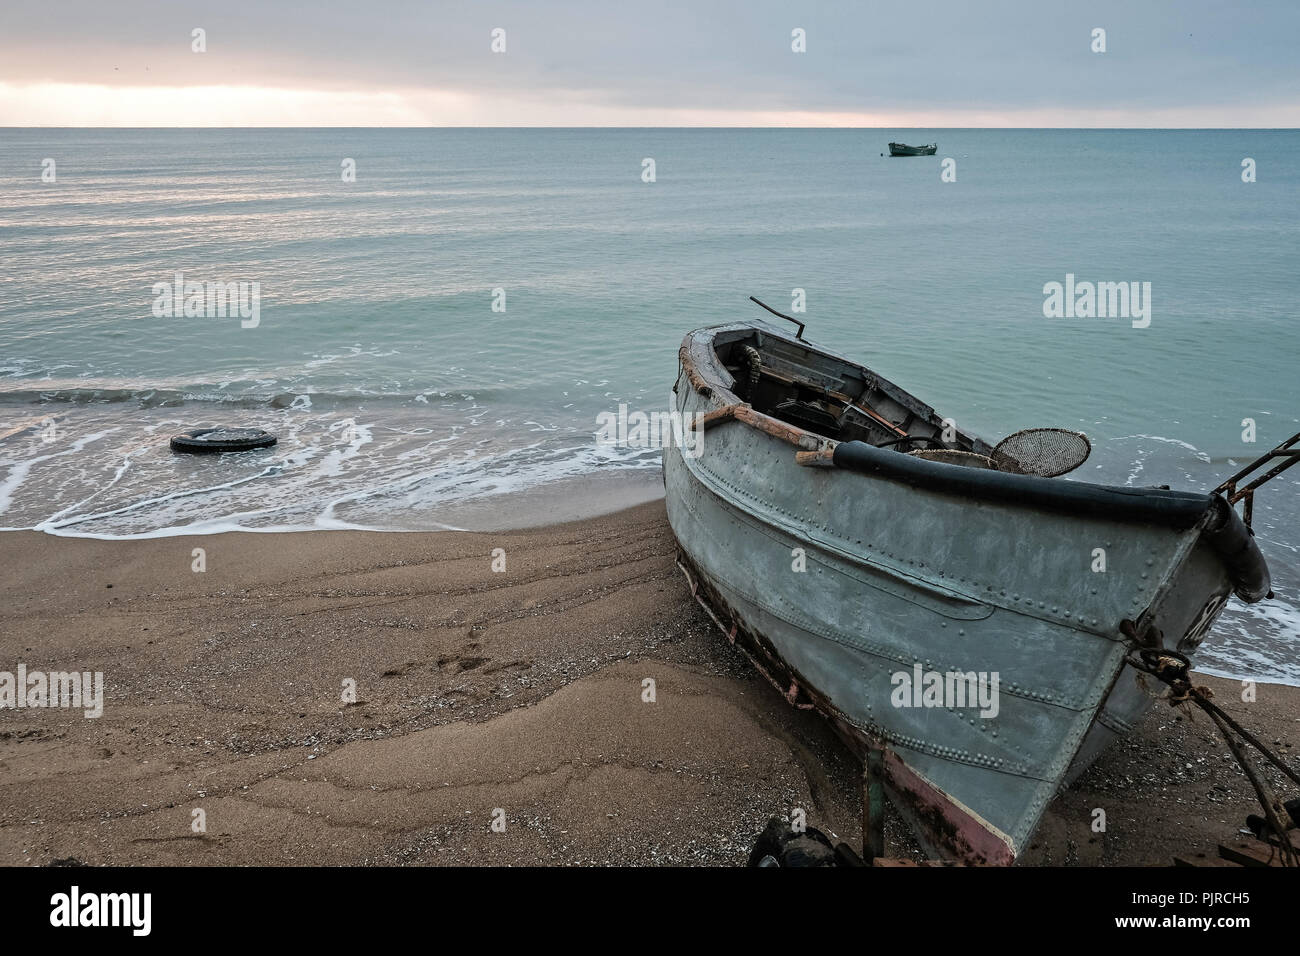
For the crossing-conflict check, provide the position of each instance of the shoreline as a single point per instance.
(555, 501)
(476, 690)
(572, 499)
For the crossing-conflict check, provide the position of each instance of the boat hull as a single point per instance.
(852, 591)
(898, 149)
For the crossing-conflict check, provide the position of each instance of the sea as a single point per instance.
(438, 318)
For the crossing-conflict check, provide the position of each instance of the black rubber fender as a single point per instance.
(1240, 554)
(1173, 509)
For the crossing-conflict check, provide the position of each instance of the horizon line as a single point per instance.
(835, 128)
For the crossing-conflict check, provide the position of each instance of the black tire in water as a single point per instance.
(211, 440)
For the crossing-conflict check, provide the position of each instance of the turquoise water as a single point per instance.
(395, 388)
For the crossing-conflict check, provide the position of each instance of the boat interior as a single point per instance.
(802, 386)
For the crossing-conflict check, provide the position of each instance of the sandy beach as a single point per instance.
(516, 695)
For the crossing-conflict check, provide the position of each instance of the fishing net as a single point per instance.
(1045, 452)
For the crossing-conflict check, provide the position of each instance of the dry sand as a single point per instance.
(476, 690)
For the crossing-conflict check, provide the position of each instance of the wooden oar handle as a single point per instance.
(824, 458)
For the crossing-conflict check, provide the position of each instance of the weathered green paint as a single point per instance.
(898, 576)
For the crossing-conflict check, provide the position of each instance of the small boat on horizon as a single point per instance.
(969, 623)
(902, 149)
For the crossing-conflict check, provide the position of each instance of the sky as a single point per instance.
(922, 63)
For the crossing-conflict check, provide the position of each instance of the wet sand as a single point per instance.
(522, 691)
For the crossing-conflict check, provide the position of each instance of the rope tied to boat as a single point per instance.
(754, 360)
(1172, 669)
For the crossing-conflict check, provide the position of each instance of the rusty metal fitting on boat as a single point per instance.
(1148, 637)
(1172, 668)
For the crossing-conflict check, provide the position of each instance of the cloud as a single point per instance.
(575, 62)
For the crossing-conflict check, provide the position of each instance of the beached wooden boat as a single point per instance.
(856, 573)
(902, 149)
